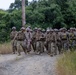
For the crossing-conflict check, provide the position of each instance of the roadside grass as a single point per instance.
(66, 64)
(5, 48)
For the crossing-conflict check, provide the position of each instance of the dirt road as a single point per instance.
(30, 64)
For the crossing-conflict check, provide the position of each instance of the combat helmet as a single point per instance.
(13, 28)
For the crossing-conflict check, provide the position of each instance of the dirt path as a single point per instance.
(30, 64)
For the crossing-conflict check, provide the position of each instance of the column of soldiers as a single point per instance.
(52, 41)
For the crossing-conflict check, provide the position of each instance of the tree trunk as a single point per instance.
(23, 13)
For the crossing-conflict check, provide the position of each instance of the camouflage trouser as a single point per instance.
(34, 45)
(23, 45)
(59, 46)
(64, 45)
(39, 47)
(75, 43)
(14, 46)
(28, 45)
(52, 48)
(72, 44)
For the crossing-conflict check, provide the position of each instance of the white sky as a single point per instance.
(4, 4)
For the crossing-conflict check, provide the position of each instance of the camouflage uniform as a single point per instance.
(47, 41)
(53, 44)
(64, 39)
(75, 37)
(39, 43)
(71, 39)
(34, 39)
(50, 42)
(58, 41)
(14, 41)
(43, 40)
(21, 40)
(29, 39)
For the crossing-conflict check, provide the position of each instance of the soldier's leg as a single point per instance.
(15, 45)
(46, 46)
(13, 48)
(28, 46)
(18, 47)
(55, 49)
(65, 46)
(52, 49)
(59, 49)
(37, 47)
(34, 45)
(42, 47)
(49, 48)
(24, 47)
(73, 45)
(62, 46)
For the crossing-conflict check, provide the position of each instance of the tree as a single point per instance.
(17, 5)
(23, 13)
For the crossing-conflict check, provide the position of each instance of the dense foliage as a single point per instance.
(41, 13)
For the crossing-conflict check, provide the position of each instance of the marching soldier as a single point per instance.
(75, 36)
(34, 39)
(47, 40)
(58, 41)
(21, 40)
(72, 38)
(39, 43)
(14, 41)
(64, 39)
(53, 43)
(29, 39)
(50, 42)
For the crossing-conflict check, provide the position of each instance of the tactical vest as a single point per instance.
(64, 36)
(21, 36)
(72, 36)
(38, 36)
(13, 34)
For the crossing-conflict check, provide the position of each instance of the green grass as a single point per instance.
(67, 64)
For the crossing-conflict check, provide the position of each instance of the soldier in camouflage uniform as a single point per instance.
(34, 39)
(53, 43)
(29, 39)
(71, 39)
(14, 41)
(75, 36)
(39, 43)
(50, 42)
(58, 41)
(64, 39)
(21, 41)
(47, 40)
(43, 40)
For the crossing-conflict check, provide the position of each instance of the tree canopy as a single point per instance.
(39, 13)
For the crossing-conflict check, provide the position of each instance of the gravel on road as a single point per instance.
(30, 64)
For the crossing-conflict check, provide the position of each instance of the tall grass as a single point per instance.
(67, 64)
(5, 48)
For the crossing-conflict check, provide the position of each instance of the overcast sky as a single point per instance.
(4, 4)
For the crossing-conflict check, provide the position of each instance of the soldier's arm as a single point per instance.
(15, 36)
